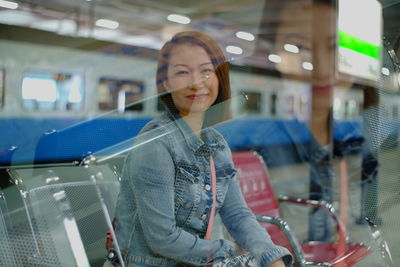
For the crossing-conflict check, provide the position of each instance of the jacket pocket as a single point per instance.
(224, 178)
(187, 192)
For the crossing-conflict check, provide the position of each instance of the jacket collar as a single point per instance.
(209, 142)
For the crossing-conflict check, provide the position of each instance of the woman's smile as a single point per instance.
(197, 96)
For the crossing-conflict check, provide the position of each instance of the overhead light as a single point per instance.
(178, 19)
(291, 48)
(107, 23)
(274, 58)
(8, 4)
(385, 71)
(307, 65)
(245, 36)
(234, 50)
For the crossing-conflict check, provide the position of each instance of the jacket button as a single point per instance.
(204, 216)
(207, 187)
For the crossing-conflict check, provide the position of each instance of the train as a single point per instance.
(94, 99)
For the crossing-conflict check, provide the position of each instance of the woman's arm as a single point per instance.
(244, 228)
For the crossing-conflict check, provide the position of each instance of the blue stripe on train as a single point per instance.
(26, 141)
(74, 139)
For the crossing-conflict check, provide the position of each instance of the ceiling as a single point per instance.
(136, 18)
(144, 23)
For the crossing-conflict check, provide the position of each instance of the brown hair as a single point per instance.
(216, 113)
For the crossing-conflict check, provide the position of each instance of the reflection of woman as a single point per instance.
(166, 199)
(311, 27)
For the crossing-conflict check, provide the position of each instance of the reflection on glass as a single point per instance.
(121, 94)
(46, 91)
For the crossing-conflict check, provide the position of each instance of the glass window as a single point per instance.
(46, 91)
(295, 61)
(121, 94)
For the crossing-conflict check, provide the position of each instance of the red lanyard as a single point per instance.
(214, 189)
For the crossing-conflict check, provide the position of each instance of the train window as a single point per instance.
(303, 104)
(252, 103)
(360, 108)
(46, 91)
(350, 108)
(337, 108)
(120, 94)
(290, 104)
(274, 99)
(2, 73)
(346, 109)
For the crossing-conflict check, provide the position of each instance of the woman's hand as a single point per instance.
(278, 263)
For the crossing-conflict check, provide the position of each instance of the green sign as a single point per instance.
(356, 44)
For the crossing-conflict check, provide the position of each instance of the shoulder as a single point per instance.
(156, 129)
(217, 134)
(153, 141)
(160, 123)
(217, 137)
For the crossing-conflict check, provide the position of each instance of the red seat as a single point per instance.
(259, 195)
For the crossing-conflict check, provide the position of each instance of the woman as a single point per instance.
(165, 201)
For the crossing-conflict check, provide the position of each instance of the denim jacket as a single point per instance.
(165, 199)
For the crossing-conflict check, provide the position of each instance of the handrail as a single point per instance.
(284, 226)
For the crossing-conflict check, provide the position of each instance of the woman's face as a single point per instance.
(191, 79)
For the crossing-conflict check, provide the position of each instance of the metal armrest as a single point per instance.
(299, 259)
(320, 204)
(294, 243)
(381, 243)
